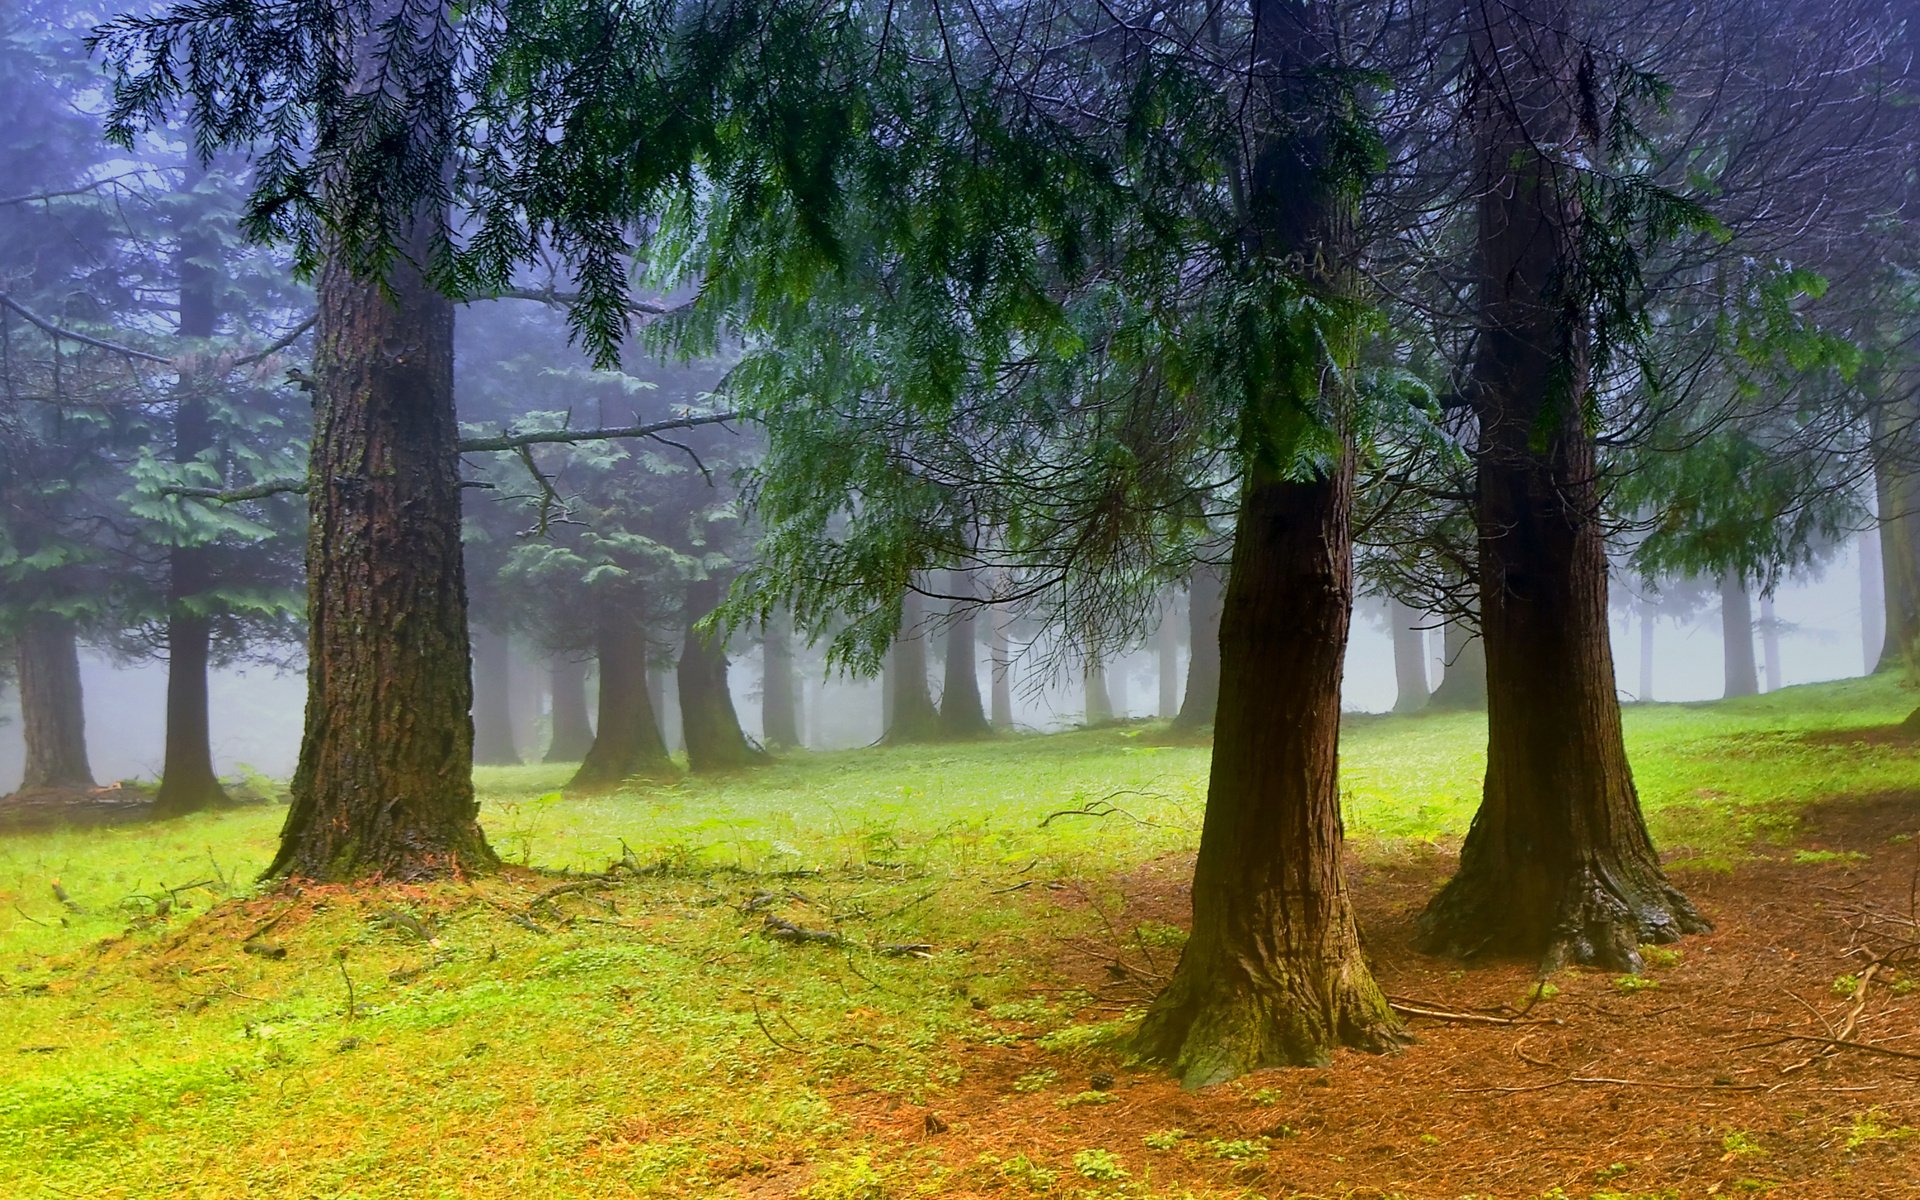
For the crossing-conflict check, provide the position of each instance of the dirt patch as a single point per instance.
(1716, 1073)
(1906, 734)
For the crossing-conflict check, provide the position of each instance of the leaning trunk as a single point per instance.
(627, 740)
(911, 716)
(779, 706)
(1204, 594)
(572, 733)
(961, 713)
(1557, 864)
(52, 718)
(1409, 658)
(708, 723)
(1736, 637)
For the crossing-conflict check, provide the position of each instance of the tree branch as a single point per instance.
(539, 437)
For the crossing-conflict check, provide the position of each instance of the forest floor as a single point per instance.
(998, 912)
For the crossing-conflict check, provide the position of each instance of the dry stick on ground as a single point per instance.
(1837, 1043)
(1413, 1008)
(1607, 1080)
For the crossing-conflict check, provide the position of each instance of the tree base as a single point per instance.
(178, 801)
(592, 779)
(1601, 917)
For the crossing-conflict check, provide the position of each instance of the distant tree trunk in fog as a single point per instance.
(1774, 677)
(779, 713)
(572, 732)
(492, 699)
(1898, 495)
(1099, 700)
(961, 713)
(911, 716)
(1206, 589)
(1873, 600)
(1409, 658)
(52, 717)
(1001, 667)
(708, 722)
(627, 739)
(1648, 614)
(1463, 682)
(1166, 641)
(1736, 631)
(187, 779)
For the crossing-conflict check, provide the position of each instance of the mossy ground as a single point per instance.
(645, 1038)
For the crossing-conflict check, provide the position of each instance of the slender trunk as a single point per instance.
(1205, 592)
(1774, 677)
(1557, 863)
(1873, 600)
(779, 712)
(572, 733)
(1099, 701)
(1002, 669)
(911, 716)
(187, 779)
(961, 713)
(1898, 497)
(1647, 616)
(1166, 641)
(627, 739)
(708, 722)
(52, 717)
(1736, 633)
(1463, 679)
(492, 698)
(1409, 658)
(1273, 973)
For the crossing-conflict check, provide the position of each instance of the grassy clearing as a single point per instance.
(646, 1039)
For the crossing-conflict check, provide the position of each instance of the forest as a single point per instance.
(1161, 599)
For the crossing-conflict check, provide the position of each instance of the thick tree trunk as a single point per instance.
(385, 784)
(1736, 636)
(187, 779)
(779, 706)
(1099, 700)
(1772, 674)
(52, 718)
(911, 716)
(708, 721)
(1166, 642)
(1001, 671)
(572, 733)
(1463, 679)
(1273, 973)
(492, 698)
(1873, 600)
(1409, 658)
(1557, 864)
(627, 740)
(1204, 597)
(961, 713)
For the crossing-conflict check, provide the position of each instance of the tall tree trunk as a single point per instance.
(1099, 700)
(1205, 592)
(1736, 634)
(627, 740)
(52, 717)
(779, 711)
(911, 716)
(1273, 973)
(571, 735)
(1557, 863)
(1898, 497)
(1001, 672)
(1409, 658)
(1166, 642)
(708, 721)
(1463, 679)
(492, 698)
(1647, 616)
(1774, 677)
(1873, 600)
(187, 779)
(961, 713)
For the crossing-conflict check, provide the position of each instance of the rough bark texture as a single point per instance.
(52, 718)
(962, 715)
(779, 703)
(384, 785)
(1736, 638)
(1273, 973)
(1001, 672)
(572, 733)
(1409, 658)
(911, 716)
(708, 721)
(1205, 591)
(492, 698)
(187, 779)
(627, 741)
(1463, 677)
(1557, 864)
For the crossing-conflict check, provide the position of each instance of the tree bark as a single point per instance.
(627, 741)
(1736, 635)
(1204, 596)
(1898, 496)
(1409, 658)
(911, 716)
(571, 735)
(187, 779)
(1463, 680)
(1166, 641)
(711, 727)
(492, 698)
(1273, 973)
(961, 713)
(52, 716)
(1873, 601)
(1002, 668)
(779, 705)
(1557, 864)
